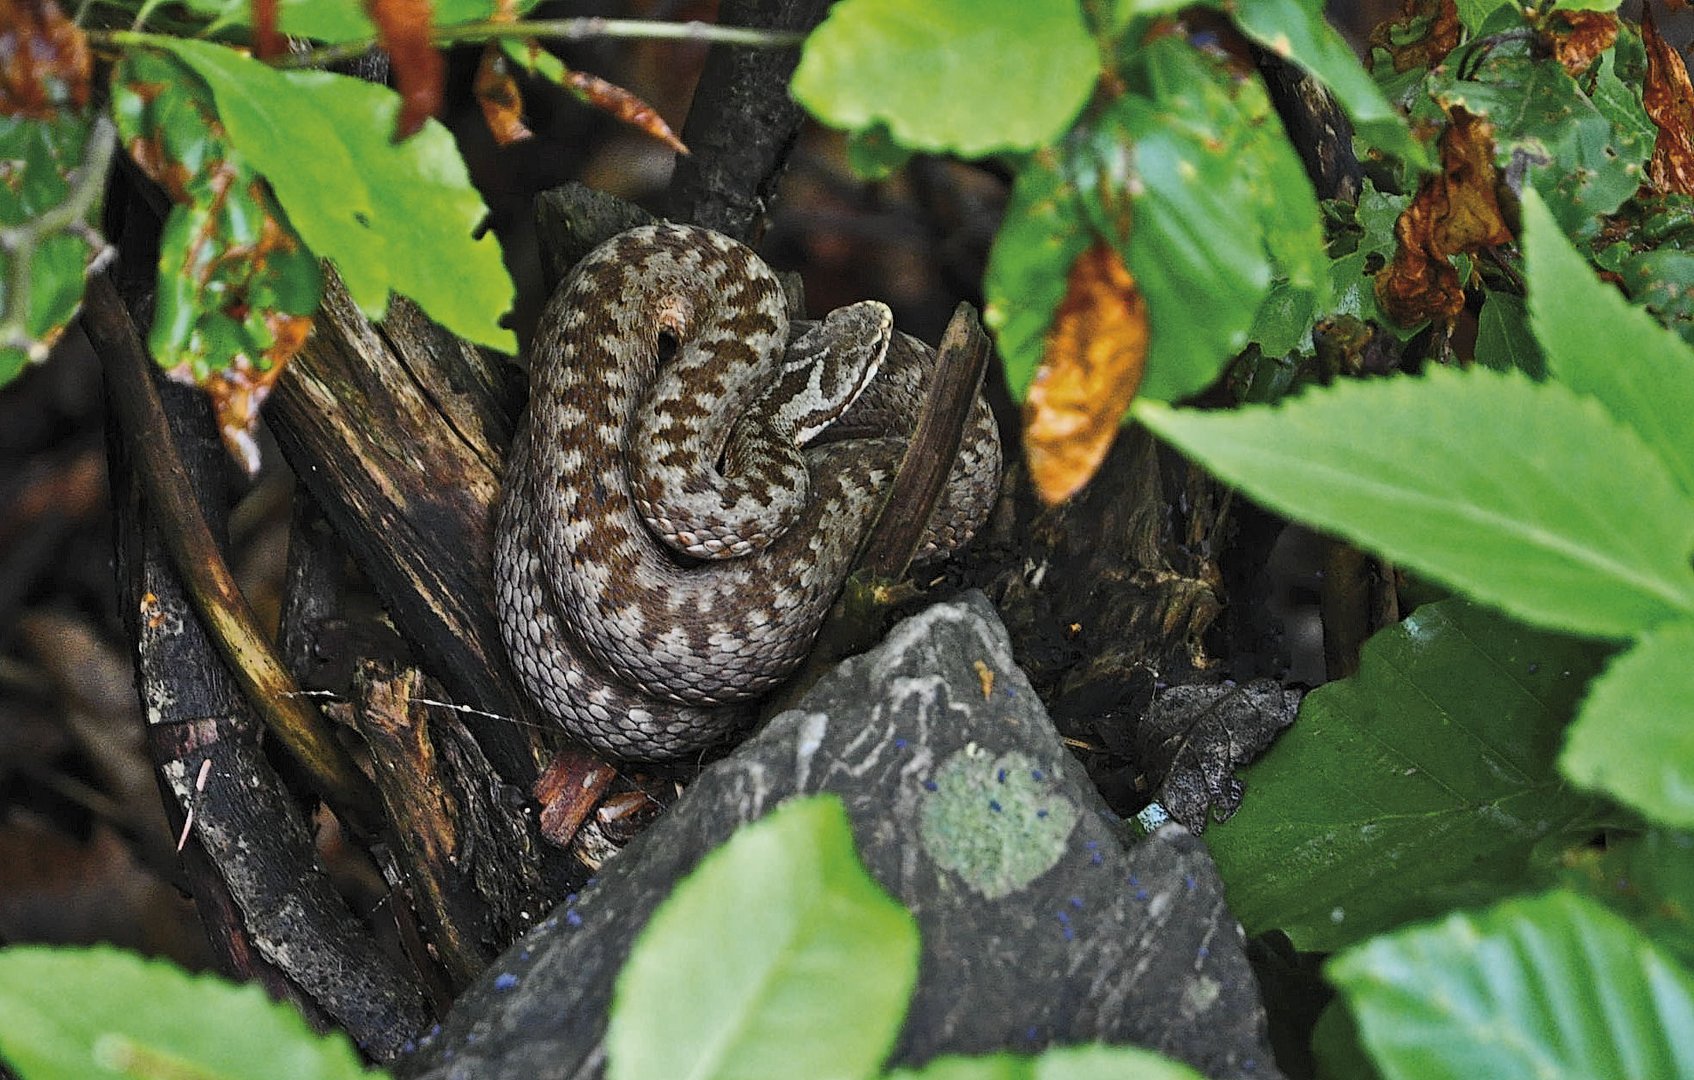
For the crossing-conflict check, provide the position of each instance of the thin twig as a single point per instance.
(859, 614)
(579, 29)
(960, 363)
(210, 585)
(21, 242)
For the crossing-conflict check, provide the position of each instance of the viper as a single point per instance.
(689, 485)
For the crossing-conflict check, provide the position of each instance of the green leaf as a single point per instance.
(1614, 86)
(1284, 321)
(36, 160)
(1424, 781)
(796, 962)
(1587, 5)
(1474, 13)
(393, 217)
(1296, 30)
(1207, 202)
(1600, 344)
(1336, 1050)
(1503, 338)
(1352, 276)
(1043, 233)
(1521, 494)
(1550, 986)
(338, 20)
(1059, 1063)
(1649, 247)
(971, 77)
(1662, 280)
(231, 270)
(1582, 161)
(1191, 178)
(1634, 739)
(1126, 11)
(1190, 251)
(101, 1014)
(1647, 879)
(873, 154)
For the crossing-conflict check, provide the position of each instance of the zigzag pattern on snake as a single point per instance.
(690, 484)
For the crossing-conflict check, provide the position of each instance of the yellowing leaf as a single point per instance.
(590, 90)
(498, 95)
(44, 61)
(1669, 99)
(1456, 210)
(403, 31)
(1578, 38)
(623, 105)
(237, 287)
(1441, 31)
(1096, 353)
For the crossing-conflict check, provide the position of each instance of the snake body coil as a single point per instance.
(690, 483)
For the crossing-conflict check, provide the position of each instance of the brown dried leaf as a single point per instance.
(1195, 736)
(502, 103)
(267, 39)
(1577, 38)
(44, 60)
(1669, 99)
(1457, 210)
(1440, 34)
(403, 30)
(1095, 355)
(624, 105)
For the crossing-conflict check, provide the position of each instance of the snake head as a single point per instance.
(828, 365)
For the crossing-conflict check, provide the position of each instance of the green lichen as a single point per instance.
(996, 822)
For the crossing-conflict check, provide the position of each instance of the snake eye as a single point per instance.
(667, 342)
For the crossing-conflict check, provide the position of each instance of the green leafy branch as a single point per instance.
(50, 205)
(222, 132)
(1569, 504)
(1141, 142)
(21, 242)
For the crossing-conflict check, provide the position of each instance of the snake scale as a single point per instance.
(690, 483)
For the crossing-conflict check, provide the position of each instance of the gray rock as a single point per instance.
(1043, 921)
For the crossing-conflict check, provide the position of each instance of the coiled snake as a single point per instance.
(666, 550)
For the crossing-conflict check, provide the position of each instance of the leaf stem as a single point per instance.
(579, 29)
(20, 242)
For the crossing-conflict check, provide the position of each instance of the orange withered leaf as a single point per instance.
(267, 39)
(238, 286)
(403, 30)
(44, 60)
(595, 91)
(237, 391)
(1669, 99)
(1456, 211)
(1426, 31)
(498, 95)
(1095, 355)
(1577, 38)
